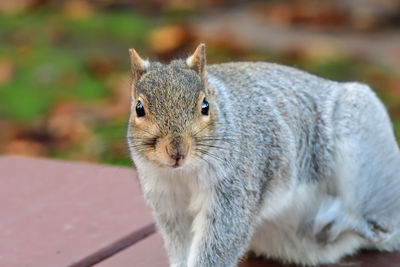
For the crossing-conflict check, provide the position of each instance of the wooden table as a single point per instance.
(56, 213)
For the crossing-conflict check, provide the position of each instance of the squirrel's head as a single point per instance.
(172, 111)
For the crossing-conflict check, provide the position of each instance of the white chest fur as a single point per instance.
(188, 186)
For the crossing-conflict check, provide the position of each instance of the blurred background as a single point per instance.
(64, 67)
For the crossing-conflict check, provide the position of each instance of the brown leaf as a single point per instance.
(14, 6)
(78, 9)
(65, 127)
(6, 71)
(102, 66)
(25, 147)
(394, 89)
(319, 15)
(166, 41)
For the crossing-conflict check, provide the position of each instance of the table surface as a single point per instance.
(57, 213)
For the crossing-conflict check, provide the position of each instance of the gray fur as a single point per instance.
(299, 168)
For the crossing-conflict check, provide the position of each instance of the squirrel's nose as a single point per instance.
(177, 156)
(177, 151)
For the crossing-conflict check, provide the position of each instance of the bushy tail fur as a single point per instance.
(371, 154)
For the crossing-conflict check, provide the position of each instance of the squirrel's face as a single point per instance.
(172, 115)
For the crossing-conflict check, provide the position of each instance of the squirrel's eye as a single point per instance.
(140, 109)
(205, 107)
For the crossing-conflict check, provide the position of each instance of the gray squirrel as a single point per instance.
(254, 156)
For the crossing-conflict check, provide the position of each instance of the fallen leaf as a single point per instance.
(102, 66)
(14, 6)
(25, 147)
(78, 9)
(166, 41)
(64, 125)
(7, 69)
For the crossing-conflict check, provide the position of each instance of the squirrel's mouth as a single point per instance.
(176, 165)
(179, 163)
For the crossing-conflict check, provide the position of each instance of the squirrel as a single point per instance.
(263, 158)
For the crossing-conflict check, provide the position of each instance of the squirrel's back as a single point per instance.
(261, 96)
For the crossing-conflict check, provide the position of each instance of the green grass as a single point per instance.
(51, 53)
(397, 129)
(53, 57)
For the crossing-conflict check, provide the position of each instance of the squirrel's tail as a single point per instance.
(370, 162)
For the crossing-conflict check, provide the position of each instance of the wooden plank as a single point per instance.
(364, 259)
(55, 213)
(150, 252)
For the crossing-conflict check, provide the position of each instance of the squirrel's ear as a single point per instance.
(138, 65)
(197, 61)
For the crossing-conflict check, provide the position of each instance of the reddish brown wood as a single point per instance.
(115, 247)
(148, 252)
(364, 259)
(55, 213)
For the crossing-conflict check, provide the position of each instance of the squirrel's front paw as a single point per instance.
(327, 232)
(329, 222)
